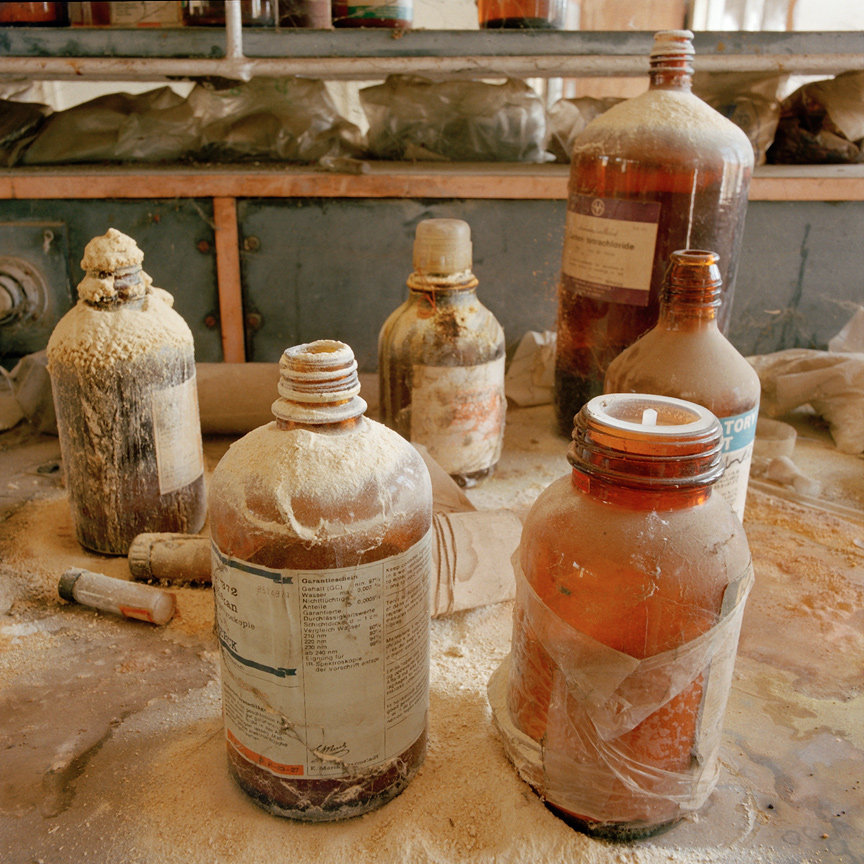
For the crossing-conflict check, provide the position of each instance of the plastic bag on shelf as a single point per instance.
(151, 127)
(413, 118)
(568, 117)
(822, 122)
(748, 99)
(288, 119)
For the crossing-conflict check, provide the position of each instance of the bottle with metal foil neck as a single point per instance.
(320, 524)
(687, 356)
(441, 358)
(656, 173)
(122, 369)
(631, 577)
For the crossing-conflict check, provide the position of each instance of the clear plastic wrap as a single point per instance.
(412, 118)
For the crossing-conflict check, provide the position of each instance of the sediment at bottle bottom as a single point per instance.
(571, 393)
(620, 832)
(323, 800)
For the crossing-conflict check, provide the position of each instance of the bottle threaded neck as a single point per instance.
(693, 280)
(318, 383)
(672, 51)
(647, 442)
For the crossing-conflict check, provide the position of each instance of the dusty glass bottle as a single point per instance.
(656, 173)
(122, 367)
(320, 524)
(398, 14)
(631, 580)
(522, 14)
(687, 356)
(441, 358)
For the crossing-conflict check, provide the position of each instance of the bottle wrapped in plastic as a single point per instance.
(656, 173)
(631, 578)
(441, 358)
(687, 356)
(321, 529)
(122, 367)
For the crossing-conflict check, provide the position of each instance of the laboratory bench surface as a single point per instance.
(111, 742)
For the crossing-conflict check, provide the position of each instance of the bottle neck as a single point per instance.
(336, 427)
(638, 498)
(680, 312)
(668, 77)
(318, 388)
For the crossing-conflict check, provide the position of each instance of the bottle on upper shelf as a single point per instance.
(658, 172)
(522, 14)
(398, 14)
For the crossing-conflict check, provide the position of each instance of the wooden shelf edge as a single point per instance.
(384, 180)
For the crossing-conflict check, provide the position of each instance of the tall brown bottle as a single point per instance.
(321, 526)
(687, 356)
(122, 370)
(659, 172)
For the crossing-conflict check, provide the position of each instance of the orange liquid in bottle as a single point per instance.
(641, 571)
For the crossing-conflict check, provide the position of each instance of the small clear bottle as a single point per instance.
(630, 585)
(441, 358)
(320, 524)
(687, 356)
(522, 14)
(658, 172)
(122, 367)
(129, 599)
(397, 14)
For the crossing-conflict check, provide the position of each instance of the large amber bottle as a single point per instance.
(656, 173)
(631, 579)
(320, 524)
(441, 358)
(122, 370)
(687, 356)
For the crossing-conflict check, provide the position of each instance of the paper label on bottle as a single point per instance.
(177, 436)
(739, 434)
(609, 248)
(457, 413)
(324, 672)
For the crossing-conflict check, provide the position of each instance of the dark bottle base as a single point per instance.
(322, 800)
(619, 832)
(467, 481)
(571, 393)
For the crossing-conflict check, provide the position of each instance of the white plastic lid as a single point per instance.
(442, 247)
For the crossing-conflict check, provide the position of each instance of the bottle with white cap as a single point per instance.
(441, 358)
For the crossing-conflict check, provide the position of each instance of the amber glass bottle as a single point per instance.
(522, 14)
(630, 585)
(320, 524)
(656, 173)
(687, 356)
(441, 358)
(122, 369)
(398, 14)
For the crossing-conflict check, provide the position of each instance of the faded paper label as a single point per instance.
(458, 413)
(177, 435)
(609, 248)
(324, 672)
(739, 435)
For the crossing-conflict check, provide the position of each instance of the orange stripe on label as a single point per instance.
(136, 612)
(263, 761)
